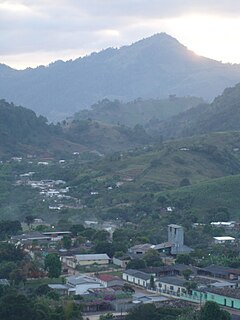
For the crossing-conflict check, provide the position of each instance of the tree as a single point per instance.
(29, 221)
(17, 276)
(184, 259)
(211, 310)
(104, 247)
(42, 290)
(107, 316)
(52, 264)
(190, 285)
(152, 282)
(8, 252)
(136, 264)
(101, 235)
(66, 242)
(184, 182)
(186, 273)
(16, 307)
(6, 268)
(143, 312)
(76, 229)
(152, 258)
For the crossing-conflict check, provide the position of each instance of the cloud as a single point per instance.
(28, 27)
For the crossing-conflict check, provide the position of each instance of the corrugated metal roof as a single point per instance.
(87, 257)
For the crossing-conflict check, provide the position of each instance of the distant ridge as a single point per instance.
(222, 115)
(150, 68)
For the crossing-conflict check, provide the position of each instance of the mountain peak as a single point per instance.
(162, 38)
(153, 67)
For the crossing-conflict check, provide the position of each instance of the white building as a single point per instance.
(173, 286)
(88, 259)
(82, 283)
(137, 277)
(225, 239)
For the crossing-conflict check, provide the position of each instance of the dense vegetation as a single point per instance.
(138, 111)
(22, 133)
(221, 115)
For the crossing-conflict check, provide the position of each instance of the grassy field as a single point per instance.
(38, 282)
(198, 159)
(217, 193)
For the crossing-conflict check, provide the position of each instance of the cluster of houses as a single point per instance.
(108, 292)
(55, 192)
(213, 283)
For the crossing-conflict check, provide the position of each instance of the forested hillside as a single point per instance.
(223, 114)
(22, 132)
(138, 111)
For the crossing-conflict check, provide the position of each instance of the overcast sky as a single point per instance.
(35, 32)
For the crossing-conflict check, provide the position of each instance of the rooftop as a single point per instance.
(106, 277)
(220, 270)
(138, 274)
(227, 292)
(81, 279)
(174, 226)
(173, 280)
(31, 236)
(87, 257)
(163, 245)
(226, 238)
(144, 246)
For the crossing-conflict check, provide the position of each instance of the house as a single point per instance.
(140, 249)
(57, 235)
(165, 247)
(89, 259)
(220, 272)
(224, 224)
(137, 277)
(108, 280)
(4, 282)
(223, 284)
(59, 288)
(173, 286)
(121, 261)
(82, 283)
(161, 271)
(227, 297)
(225, 239)
(28, 238)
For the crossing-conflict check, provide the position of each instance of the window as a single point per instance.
(171, 288)
(160, 285)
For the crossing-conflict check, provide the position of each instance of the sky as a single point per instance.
(38, 32)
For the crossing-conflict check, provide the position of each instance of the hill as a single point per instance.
(22, 132)
(138, 111)
(150, 68)
(207, 197)
(174, 164)
(105, 138)
(223, 114)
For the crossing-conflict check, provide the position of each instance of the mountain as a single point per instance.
(154, 67)
(223, 114)
(22, 132)
(138, 111)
